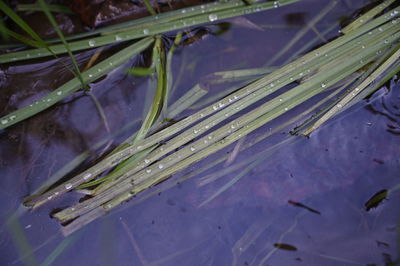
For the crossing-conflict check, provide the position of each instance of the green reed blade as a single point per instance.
(54, 24)
(22, 24)
(142, 31)
(73, 85)
(367, 16)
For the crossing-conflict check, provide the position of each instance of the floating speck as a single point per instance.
(68, 186)
(92, 43)
(28, 226)
(212, 17)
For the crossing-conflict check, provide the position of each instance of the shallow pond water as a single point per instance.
(302, 203)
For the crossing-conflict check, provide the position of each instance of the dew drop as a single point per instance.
(212, 17)
(160, 166)
(339, 106)
(49, 197)
(59, 92)
(92, 43)
(68, 186)
(192, 148)
(233, 126)
(148, 171)
(90, 76)
(118, 38)
(147, 161)
(195, 131)
(286, 109)
(209, 136)
(87, 176)
(280, 99)
(221, 105)
(277, 4)
(146, 31)
(323, 85)
(13, 117)
(215, 108)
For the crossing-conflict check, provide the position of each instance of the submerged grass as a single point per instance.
(151, 156)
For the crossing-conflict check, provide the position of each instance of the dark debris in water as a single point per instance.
(376, 199)
(301, 205)
(284, 246)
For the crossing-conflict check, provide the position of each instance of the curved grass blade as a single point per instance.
(21, 23)
(9, 33)
(74, 85)
(159, 98)
(54, 24)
